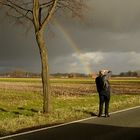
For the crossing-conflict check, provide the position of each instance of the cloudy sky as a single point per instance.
(110, 39)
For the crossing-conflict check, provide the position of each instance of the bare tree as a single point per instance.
(40, 13)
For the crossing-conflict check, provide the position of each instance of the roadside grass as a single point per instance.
(29, 80)
(21, 101)
(20, 110)
(70, 80)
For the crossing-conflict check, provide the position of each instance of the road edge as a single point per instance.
(64, 124)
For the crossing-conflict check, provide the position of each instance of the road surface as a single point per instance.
(124, 125)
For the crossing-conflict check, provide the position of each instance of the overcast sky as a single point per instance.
(109, 40)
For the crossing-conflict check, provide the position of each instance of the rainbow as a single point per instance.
(73, 45)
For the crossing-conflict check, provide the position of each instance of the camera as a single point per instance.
(107, 72)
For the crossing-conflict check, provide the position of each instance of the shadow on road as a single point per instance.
(86, 112)
(3, 110)
(84, 131)
(20, 111)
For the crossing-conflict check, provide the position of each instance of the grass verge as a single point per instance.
(22, 110)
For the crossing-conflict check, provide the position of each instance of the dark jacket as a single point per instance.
(103, 85)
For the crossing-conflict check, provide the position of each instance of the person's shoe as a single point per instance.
(99, 115)
(107, 115)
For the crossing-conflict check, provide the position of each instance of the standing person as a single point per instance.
(103, 88)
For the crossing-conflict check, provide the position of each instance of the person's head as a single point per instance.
(105, 72)
(108, 74)
(101, 72)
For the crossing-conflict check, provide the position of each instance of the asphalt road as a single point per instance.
(119, 126)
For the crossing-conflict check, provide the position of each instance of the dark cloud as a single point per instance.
(119, 16)
(17, 49)
(112, 28)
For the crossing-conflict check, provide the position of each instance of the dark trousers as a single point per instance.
(103, 99)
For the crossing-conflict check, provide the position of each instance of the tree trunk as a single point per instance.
(45, 71)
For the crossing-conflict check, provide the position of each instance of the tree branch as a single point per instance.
(36, 14)
(46, 4)
(22, 8)
(76, 7)
(16, 9)
(50, 13)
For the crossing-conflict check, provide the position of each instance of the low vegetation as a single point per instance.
(21, 102)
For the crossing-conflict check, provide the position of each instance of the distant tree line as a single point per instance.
(20, 74)
(130, 74)
(69, 75)
(24, 74)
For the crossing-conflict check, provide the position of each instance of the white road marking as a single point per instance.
(42, 129)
